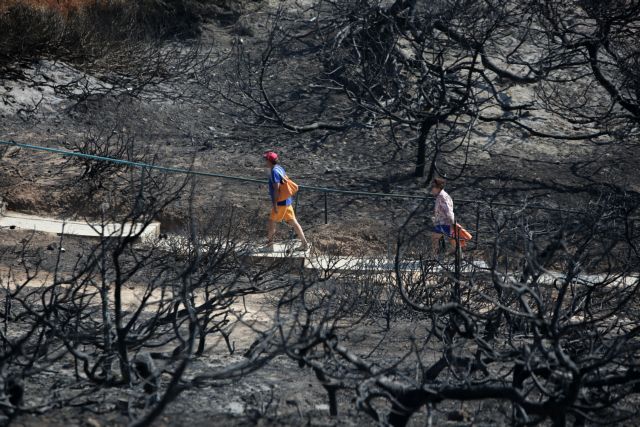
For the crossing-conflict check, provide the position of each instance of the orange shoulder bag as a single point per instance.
(288, 188)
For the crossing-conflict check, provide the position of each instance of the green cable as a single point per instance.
(260, 181)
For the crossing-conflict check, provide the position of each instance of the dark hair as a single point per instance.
(274, 161)
(439, 183)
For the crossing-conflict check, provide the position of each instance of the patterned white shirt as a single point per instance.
(443, 214)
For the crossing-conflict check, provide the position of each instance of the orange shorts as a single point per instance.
(282, 213)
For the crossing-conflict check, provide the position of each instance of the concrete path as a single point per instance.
(316, 260)
(283, 251)
(15, 220)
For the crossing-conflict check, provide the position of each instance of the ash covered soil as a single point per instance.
(280, 393)
(501, 165)
(514, 169)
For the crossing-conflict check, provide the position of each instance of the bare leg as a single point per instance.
(298, 229)
(271, 232)
(435, 242)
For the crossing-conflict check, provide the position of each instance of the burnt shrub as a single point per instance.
(77, 31)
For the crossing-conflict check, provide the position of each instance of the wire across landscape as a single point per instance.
(319, 189)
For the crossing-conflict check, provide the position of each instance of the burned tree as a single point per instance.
(126, 313)
(598, 44)
(548, 324)
(426, 75)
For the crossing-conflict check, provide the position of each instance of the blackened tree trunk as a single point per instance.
(425, 129)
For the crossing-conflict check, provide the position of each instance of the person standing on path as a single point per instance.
(281, 210)
(443, 218)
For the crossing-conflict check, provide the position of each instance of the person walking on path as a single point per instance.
(281, 210)
(443, 218)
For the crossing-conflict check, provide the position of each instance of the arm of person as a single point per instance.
(444, 209)
(450, 217)
(448, 211)
(276, 193)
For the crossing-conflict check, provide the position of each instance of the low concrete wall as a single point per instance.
(15, 220)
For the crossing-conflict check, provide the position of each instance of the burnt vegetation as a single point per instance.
(84, 31)
(536, 322)
(429, 74)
